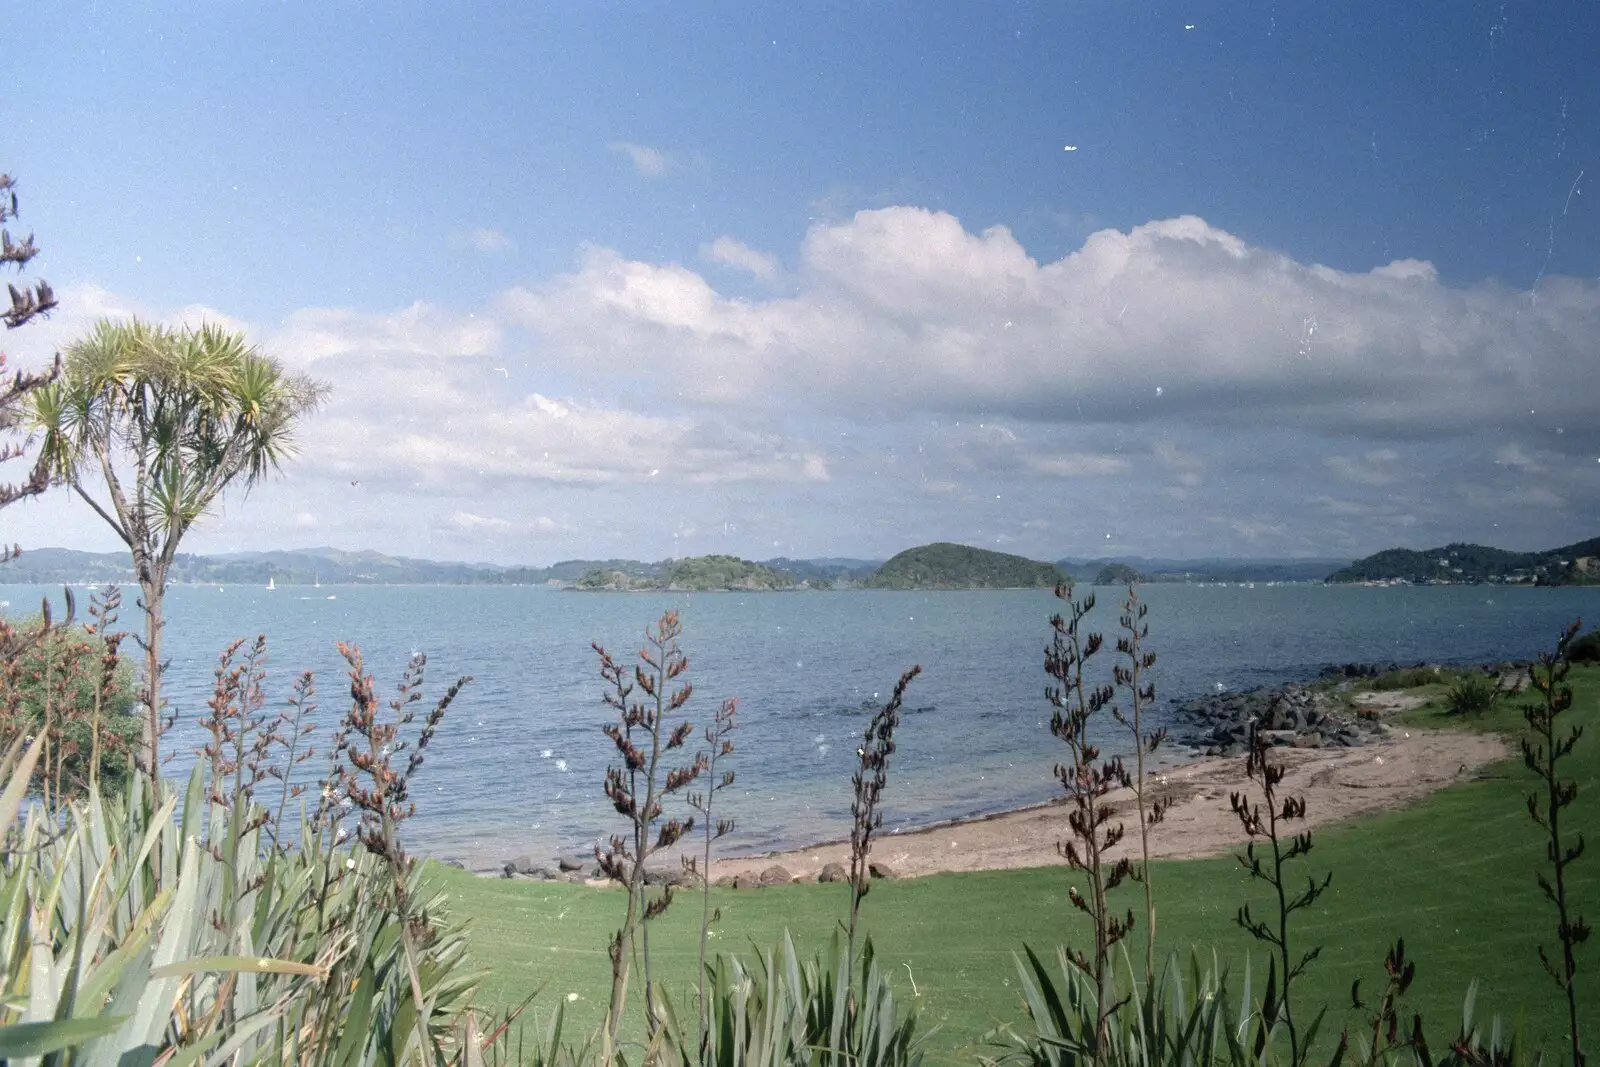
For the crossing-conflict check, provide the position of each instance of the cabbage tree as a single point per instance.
(148, 425)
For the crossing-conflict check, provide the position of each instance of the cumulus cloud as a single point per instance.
(914, 379)
(647, 162)
(734, 253)
(904, 309)
(422, 398)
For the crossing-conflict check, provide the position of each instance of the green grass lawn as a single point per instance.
(1453, 875)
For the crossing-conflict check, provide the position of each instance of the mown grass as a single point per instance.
(1452, 875)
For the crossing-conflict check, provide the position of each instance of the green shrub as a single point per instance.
(1408, 678)
(1473, 694)
(71, 685)
(1585, 649)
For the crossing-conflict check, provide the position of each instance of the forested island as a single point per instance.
(943, 565)
(697, 574)
(1464, 564)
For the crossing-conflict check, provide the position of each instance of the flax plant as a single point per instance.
(872, 775)
(1141, 697)
(26, 303)
(719, 747)
(129, 941)
(1087, 780)
(378, 785)
(294, 726)
(637, 790)
(1268, 827)
(1543, 752)
(103, 609)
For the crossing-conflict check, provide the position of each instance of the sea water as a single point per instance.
(518, 764)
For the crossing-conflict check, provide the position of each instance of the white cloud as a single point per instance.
(320, 338)
(647, 162)
(734, 253)
(421, 400)
(466, 520)
(304, 520)
(903, 309)
(996, 450)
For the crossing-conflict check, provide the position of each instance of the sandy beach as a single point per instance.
(1337, 783)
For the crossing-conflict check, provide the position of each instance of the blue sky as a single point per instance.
(651, 279)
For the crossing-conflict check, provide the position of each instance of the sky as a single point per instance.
(1067, 279)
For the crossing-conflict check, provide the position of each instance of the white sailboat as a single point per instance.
(272, 583)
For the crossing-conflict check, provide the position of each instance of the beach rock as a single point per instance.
(522, 865)
(1307, 740)
(658, 877)
(724, 882)
(1278, 737)
(509, 870)
(775, 875)
(575, 878)
(833, 872)
(569, 864)
(881, 870)
(455, 865)
(746, 881)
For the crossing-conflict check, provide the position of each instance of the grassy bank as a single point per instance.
(1453, 876)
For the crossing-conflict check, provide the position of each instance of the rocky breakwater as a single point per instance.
(1294, 715)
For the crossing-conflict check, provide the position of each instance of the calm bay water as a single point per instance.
(518, 765)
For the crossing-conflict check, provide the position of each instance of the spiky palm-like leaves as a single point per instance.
(780, 1009)
(165, 419)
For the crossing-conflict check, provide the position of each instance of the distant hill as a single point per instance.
(697, 574)
(1209, 570)
(1463, 564)
(333, 566)
(1117, 574)
(302, 566)
(946, 566)
(829, 571)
